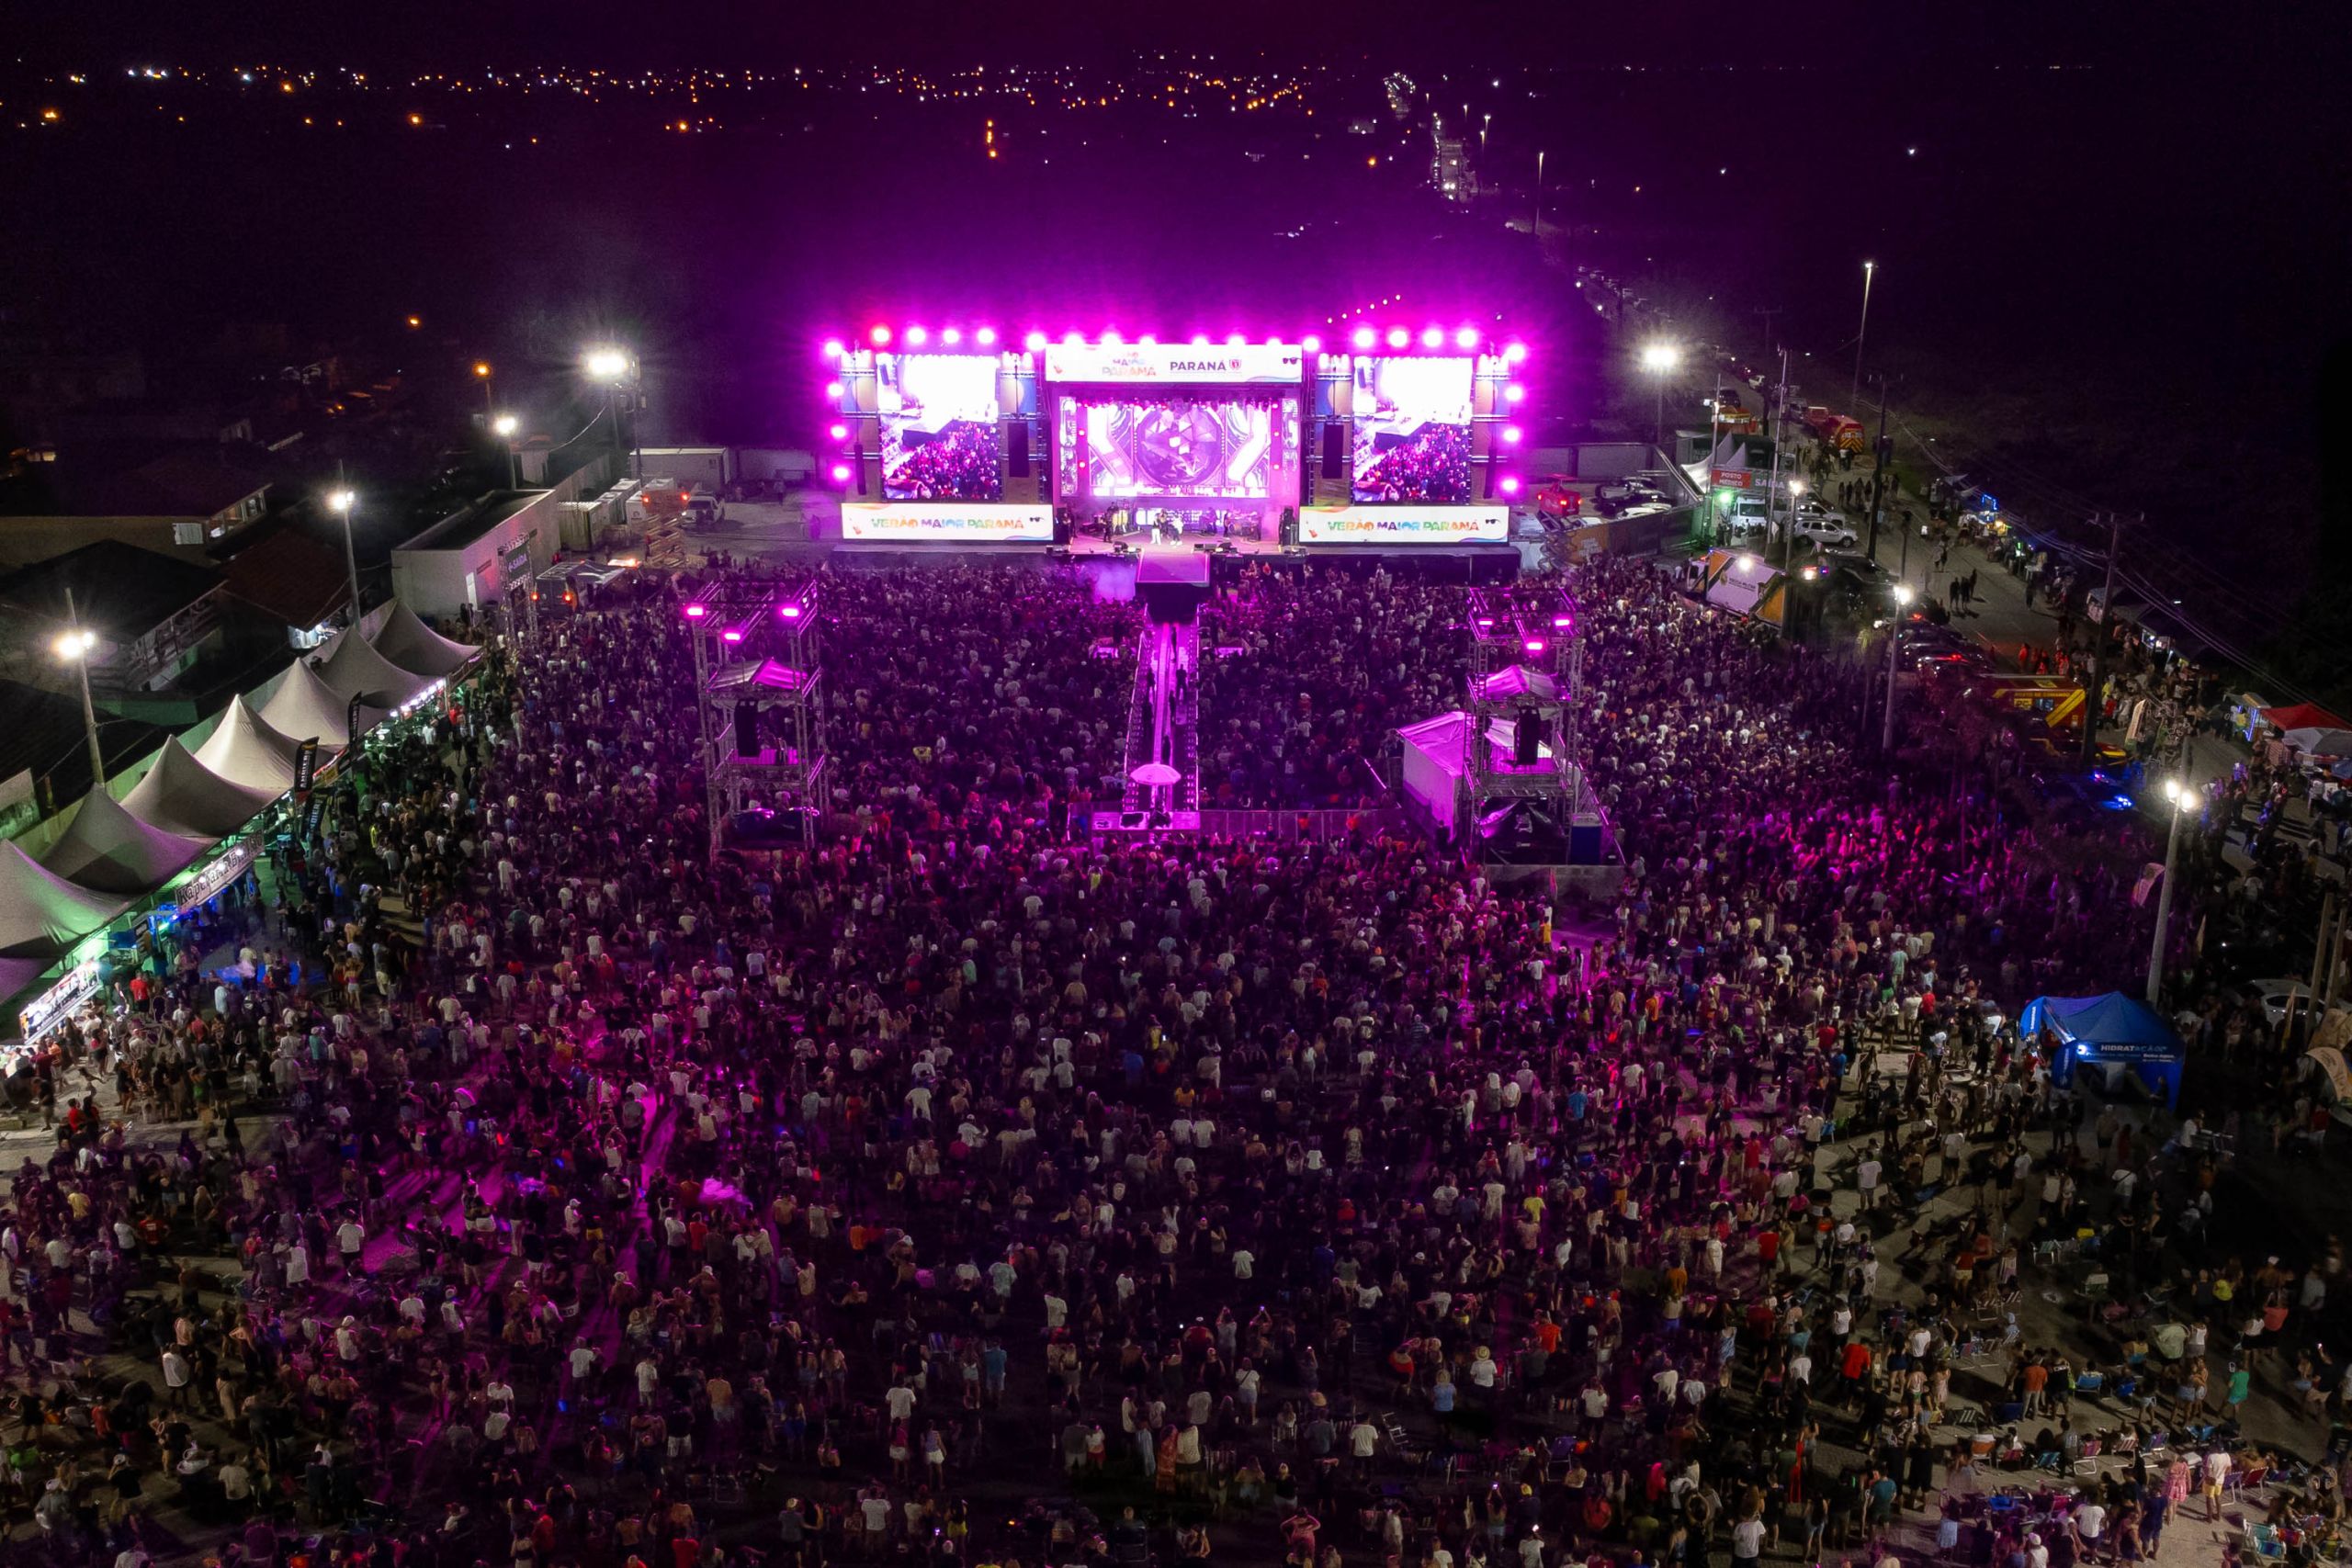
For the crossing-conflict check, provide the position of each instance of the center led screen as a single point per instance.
(939, 426)
(1177, 446)
(1411, 429)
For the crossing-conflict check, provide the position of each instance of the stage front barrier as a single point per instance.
(1304, 827)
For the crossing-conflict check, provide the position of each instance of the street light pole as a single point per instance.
(503, 426)
(76, 644)
(1538, 228)
(2178, 795)
(1870, 270)
(341, 500)
(1893, 642)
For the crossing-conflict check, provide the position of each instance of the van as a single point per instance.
(1749, 514)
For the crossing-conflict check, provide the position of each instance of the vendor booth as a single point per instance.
(2109, 1032)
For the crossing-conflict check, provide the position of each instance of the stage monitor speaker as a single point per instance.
(1525, 741)
(747, 729)
(1016, 450)
(1335, 447)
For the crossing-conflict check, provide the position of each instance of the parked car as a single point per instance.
(2275, 996)
(1825, 531)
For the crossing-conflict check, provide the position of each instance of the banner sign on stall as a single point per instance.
(947, 522)
(46, 1011)
(1404, 526)
(306, 765)
(225, 868)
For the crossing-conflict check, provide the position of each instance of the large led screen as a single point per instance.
(1177, 446)
(1412, 429)
(939, 426)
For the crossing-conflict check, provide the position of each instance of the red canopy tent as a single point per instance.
(2303, 715)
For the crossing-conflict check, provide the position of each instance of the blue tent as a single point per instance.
(2110, 1031)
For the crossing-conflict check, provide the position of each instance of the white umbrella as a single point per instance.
(2318, 743)
(1155, 773)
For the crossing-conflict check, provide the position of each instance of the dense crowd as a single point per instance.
(967, 1190)
(1307, 670)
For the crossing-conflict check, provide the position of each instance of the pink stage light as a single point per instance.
(1513, 392)
(1237, 340)
(1072, 340)
(788, 611)
(1433, 337)
(1398, 337)
(1311, 343)
(1200, 340)
(1560, 623)
(951, 337)
(697, 612)
(1364, 337)
(1147, 341)
(1510, 485)
(841, 473)
(1467, 338)
(730, 635)
(1516, 354)
(841, 432)
(1511, 435)
(833, 348)
(832, 391)
(1485, 621)
(917, 337)
(1035, 343)
(1535, 645)
(1111, 335)
(985, 337)
(880, 337)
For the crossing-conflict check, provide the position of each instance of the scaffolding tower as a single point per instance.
(759, 679)
(1522, 750)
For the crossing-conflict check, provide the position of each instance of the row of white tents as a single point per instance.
(199, 789)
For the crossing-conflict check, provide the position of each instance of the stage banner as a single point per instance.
(1405, 525)
(1177, 365)
(946, 522)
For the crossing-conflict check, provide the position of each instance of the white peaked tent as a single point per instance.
(304, 706)
(355, 670)
(410, 644)
(42, 913)
(107, 848)
(248, 751)
(181, 794)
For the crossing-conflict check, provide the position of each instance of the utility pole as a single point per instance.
(1878, 472)
(1538, 228)
(1767, 316)
(1780, 412)
(2095, 701)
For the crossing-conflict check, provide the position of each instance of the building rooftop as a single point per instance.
(44, 737)
(120, 591)
(192, 480)
(289, 577)
(470, 522)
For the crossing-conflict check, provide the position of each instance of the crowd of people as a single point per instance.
(965, 1188)
(1306, 672)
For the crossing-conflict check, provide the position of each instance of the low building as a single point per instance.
(153, 616)
(176, 500)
